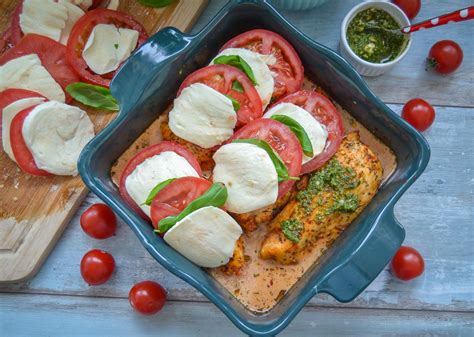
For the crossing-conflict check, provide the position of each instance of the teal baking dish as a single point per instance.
(147, 83)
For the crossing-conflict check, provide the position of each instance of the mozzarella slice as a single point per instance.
(249, 175)
(262, 73)
(113, 4)
(107, 47)
(26, 72)
(43, 17)
(203, 116)
(74, 13)
(316, 131)
(55, 133)
(8, 113)
(153, 171)
(206, 237)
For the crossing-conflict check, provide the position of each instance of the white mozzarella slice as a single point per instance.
(262, 73)
(153, 171)
(26, 72)
(206, 237)
(8, 113)
(107, 47)
(113, 4)
(316, 131)
(249, 175)
(43, 17)
(55, 133)
(74, 13)
(203, 116)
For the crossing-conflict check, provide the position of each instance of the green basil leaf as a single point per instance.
(156, 3)
(235, 103)
(215, 196)
(237, 86)
(239, 63)
(298, 130)
(280, 166)
(93, 95)
(157, 189)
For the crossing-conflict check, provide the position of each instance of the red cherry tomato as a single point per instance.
(99, 221)
(419, 113)
(407, 263)
(147, 297)
(445, 56)
(97, 266)
(410, 7)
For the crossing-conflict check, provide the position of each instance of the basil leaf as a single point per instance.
(298, 130)
(157, 189)
(235, 103)
(215, 196)
(93, 95)
(237, 86)
(155, 3)
(280, 166)
(239, 63)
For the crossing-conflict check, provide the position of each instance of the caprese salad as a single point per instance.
(249, 110)
(50, 48)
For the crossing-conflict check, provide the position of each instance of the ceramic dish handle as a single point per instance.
(135, 77)
(363, 266)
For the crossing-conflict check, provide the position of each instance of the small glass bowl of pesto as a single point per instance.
(374, 51)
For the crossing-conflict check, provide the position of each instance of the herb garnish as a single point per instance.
(235, 103)
(157, 189)
(93, 95)
(237, 62)
(156, 3)
(292, 229)
(237, 86)
(299, 132)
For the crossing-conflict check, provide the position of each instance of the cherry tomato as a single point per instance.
(288, 69)
(80, 34)
(407, 263)
(99, 221)
(97, 266)
(146, 153)
(445, 56)
(282, 140)
(220, 77)
(410, 7)
(147, 297)
(173, 198)
(326, 113)
(419, 113)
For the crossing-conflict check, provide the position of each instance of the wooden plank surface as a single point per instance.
(35, 210)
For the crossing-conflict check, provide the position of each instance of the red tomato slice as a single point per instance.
(9, 96)
(326, 113)
(145, 154)
(173, 198)
(282, 140)
(80, 34)
(16, 33)
(220, 77)
(22, 154)
(52, 55)
(288, 68)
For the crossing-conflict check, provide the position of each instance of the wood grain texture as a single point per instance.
(22, 315)
(35, 210)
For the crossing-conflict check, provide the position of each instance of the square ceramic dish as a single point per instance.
(147, 84)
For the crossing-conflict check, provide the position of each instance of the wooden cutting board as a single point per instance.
(35, 210)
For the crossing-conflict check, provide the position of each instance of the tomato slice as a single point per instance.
(16, 33)
(52, 55)
(173, 198)
(9, 96)
(288, 67)
(220, 77)
(22, 154)
(326, 113)
(80, 34)
(282, 140)
(147, 153)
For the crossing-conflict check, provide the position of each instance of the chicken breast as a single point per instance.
(237, 261)
(334, 196)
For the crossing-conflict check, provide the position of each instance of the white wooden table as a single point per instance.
(437, 213)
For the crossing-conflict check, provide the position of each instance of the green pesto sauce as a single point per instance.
(335, 178)
(292, 229)
(372, 44)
